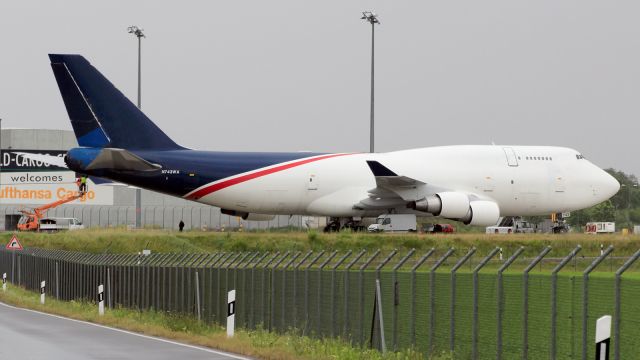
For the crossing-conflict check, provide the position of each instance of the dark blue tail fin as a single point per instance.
(100, 114)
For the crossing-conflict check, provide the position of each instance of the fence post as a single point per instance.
(347, 271)
(333, 291)
(306, 289)
(432, 285)
(525, 301)
(384, 262)
(412, 318)
(361, 276)
(452, 300)
(320, 268)
(554, 298)
(396, 297)
(501, 300)
(616, 317)
(198, 295)
(378, 269)
(284, 287)
(57, 282)
(585, 297)
(295, 287)
(474, 323)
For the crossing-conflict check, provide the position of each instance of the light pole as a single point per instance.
(139, 34)
(371, 18)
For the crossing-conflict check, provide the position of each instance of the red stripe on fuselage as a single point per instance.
(240, 179)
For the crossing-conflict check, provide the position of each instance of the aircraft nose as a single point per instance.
(608, 185)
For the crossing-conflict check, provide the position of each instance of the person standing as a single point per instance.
(83, 184)
(181, 225)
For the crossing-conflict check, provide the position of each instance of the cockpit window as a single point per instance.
(579, 157)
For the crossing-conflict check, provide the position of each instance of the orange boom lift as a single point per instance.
(30, 220)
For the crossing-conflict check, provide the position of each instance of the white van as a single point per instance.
(394, 223)
(56, 224)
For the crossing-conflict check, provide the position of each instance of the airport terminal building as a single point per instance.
(25, 183)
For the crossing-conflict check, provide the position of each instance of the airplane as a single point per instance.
(474, 184)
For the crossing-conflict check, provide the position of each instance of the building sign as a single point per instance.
(12, 162)
(27, 182)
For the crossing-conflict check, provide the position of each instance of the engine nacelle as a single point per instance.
(248, 216)
(482, 213)
(451, 205)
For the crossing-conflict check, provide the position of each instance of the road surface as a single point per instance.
(27, 334)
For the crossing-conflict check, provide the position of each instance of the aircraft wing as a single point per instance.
(392, 190)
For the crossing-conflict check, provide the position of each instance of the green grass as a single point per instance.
(123, 241)
(258, 343)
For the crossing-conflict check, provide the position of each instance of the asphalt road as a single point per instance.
(27, 334)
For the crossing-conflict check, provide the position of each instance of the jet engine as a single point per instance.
(456, 206)
(482, 213)
(248, 216)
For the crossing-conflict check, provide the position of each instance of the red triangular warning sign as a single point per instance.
(14, 244)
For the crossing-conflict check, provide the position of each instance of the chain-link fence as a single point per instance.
(478, 306)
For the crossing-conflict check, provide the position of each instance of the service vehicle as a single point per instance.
(438, 228)
(31, 218)
(509, 225)
(57, 224)
(394, 223)
(600, 227)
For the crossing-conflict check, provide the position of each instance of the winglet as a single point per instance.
(379, 170)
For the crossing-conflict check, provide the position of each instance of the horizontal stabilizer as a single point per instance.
(120, 159)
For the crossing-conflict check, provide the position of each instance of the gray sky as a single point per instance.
(294, 75)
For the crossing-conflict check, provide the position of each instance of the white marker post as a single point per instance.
(231, 312)
(42, 291)
(100, 300)
(603, 337)
(4, 282)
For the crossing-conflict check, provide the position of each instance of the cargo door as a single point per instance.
(512, 159)
(559, 184)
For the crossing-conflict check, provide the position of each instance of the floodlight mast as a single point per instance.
(138, 32)
(371, 18)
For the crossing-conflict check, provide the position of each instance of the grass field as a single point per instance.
(124, 241)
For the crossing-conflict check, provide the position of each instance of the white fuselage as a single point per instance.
(522, 180)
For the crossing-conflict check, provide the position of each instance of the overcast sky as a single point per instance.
(294, 75)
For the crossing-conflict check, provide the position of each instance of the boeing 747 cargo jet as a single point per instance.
(474, 184)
